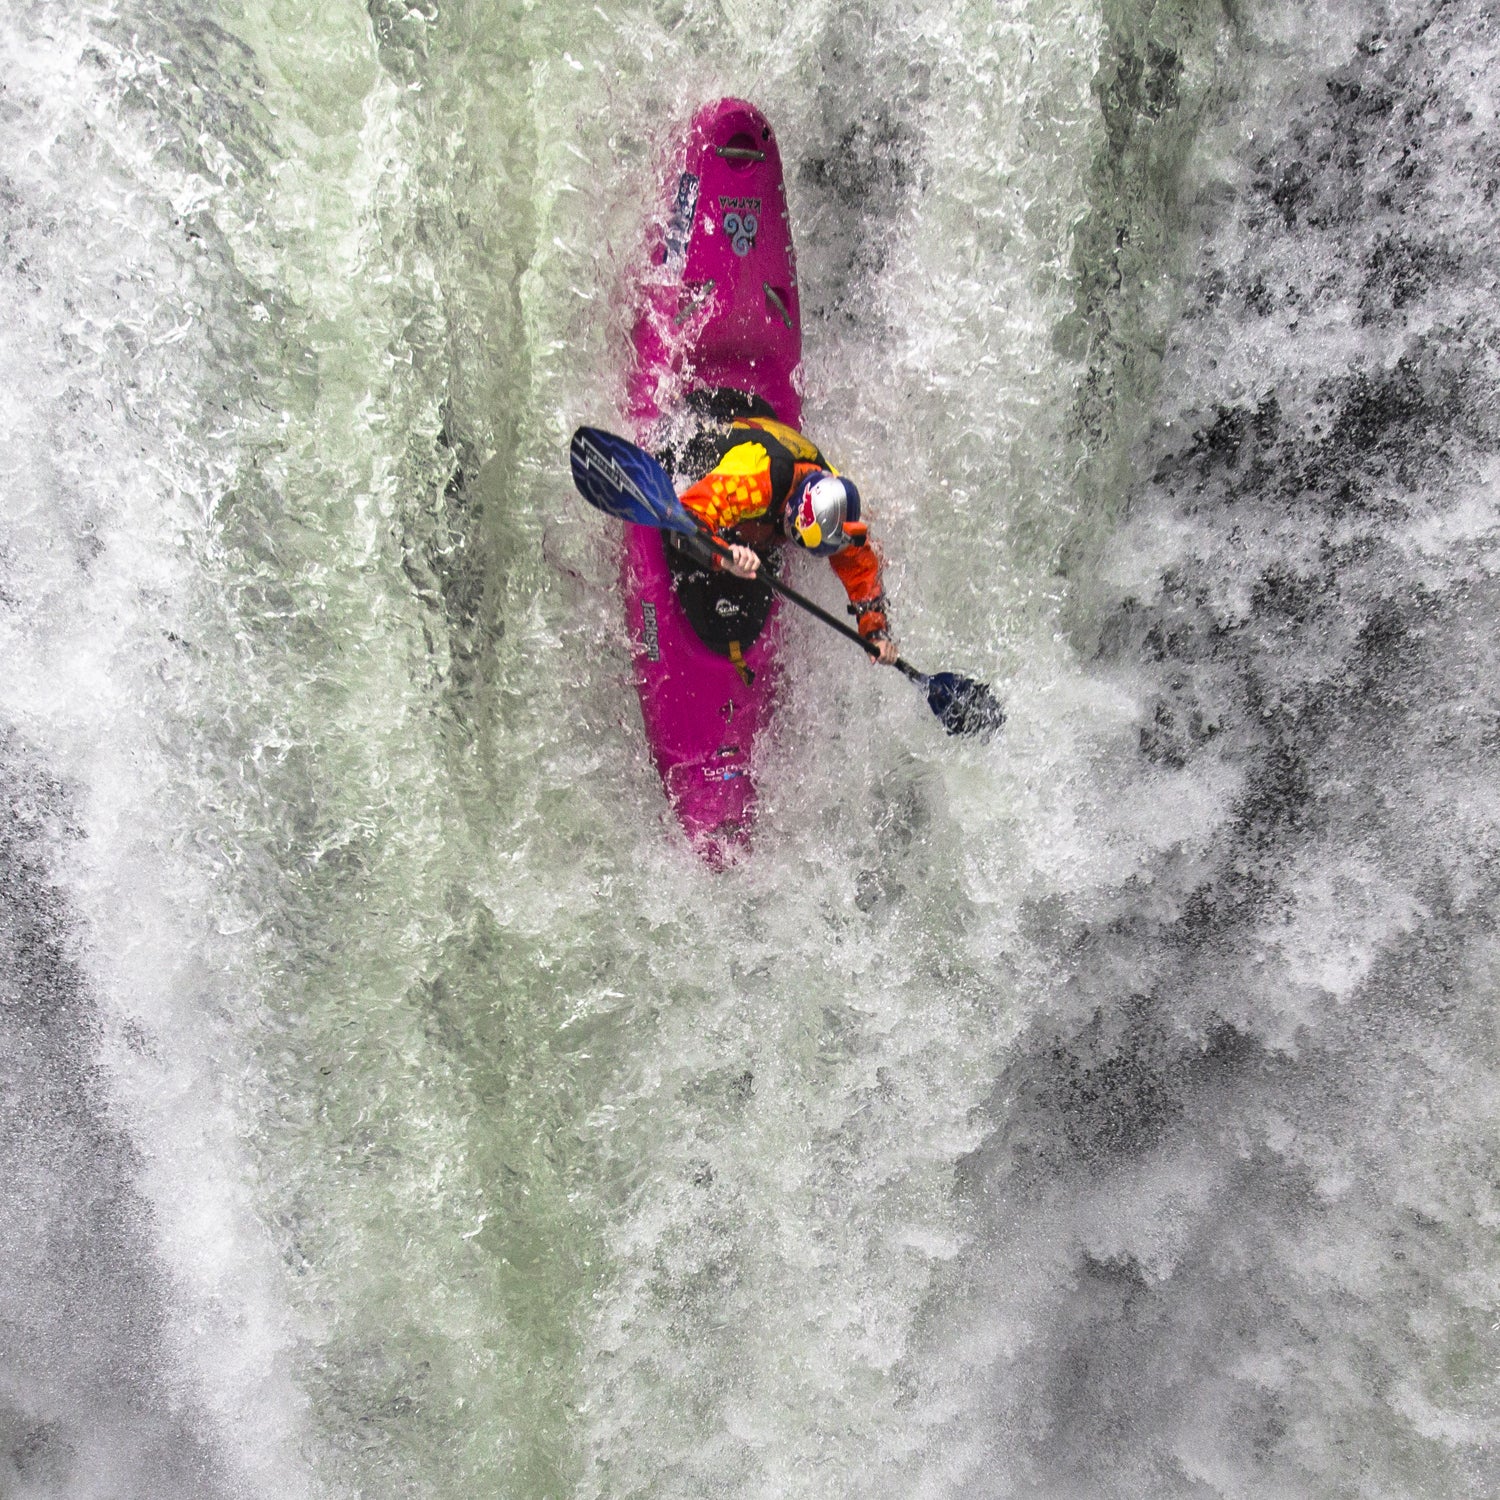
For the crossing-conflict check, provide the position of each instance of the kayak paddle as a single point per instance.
(623, 480)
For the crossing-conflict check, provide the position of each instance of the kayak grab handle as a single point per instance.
(740, 153)
(774, 298)
(694, 302)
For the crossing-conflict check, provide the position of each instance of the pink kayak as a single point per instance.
(717, 334)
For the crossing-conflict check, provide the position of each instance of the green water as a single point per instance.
(573, 1154)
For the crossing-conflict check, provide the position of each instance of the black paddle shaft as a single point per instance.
(704, 549)
(962, 705)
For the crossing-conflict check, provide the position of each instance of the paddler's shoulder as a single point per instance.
(789, 438)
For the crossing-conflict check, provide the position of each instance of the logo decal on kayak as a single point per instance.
(680, 225)
(649, 637)
(741, 222)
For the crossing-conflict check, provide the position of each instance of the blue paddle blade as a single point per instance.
(624, 481)
(963, 705)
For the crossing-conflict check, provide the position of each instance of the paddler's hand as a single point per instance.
(888, 653)
(743, 562)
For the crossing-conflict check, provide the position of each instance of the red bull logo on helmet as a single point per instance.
(816, 515)
(805, 520)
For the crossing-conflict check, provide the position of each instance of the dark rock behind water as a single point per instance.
(84, 1405)
(1258, 1111)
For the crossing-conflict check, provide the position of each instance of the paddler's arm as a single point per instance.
(736, 489)
(740, 560)
(858, 569)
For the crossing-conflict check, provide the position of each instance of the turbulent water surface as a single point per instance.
(392, 1105)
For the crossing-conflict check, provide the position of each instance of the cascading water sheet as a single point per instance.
(393, 1106)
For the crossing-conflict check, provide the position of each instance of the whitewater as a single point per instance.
(391, 1105)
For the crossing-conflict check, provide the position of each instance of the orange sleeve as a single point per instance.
(858, 569)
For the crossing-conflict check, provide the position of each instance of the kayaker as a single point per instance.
(769, 483)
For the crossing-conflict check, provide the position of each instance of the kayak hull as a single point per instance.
(703, 718)
(718, 309)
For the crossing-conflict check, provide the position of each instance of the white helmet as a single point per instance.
(818, 509)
